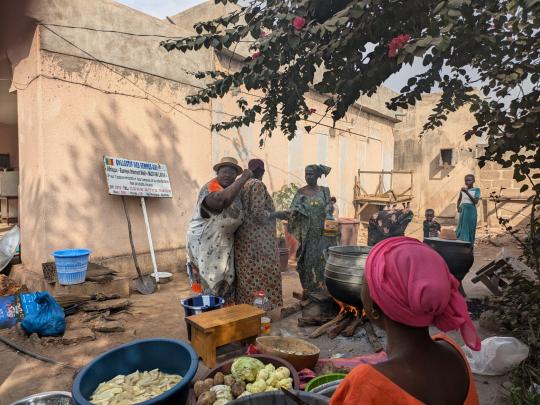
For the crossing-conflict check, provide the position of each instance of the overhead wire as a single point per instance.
(173, 106)
(318, 123)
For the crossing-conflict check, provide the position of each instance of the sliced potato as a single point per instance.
(133, 388)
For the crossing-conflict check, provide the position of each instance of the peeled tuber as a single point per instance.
(207, 384)
(207, 398)
(219, 378)
(229, 380)
(238, 388)
(199, 388)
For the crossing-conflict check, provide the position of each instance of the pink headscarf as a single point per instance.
(411, 284)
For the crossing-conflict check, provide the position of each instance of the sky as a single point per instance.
(164, 8)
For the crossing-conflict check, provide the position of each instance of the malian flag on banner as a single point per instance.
(109, 161)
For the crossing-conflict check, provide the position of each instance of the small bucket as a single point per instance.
(71, 265)
(198, 305)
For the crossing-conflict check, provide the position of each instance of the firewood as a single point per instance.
(372, 337)
(288, 311)
(351, 328)
(321, 330)
(338, 328)
(314, 321)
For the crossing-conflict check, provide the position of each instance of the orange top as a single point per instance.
(367, 386)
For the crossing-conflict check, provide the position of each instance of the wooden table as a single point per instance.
(212, 329)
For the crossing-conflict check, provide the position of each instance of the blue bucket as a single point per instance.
(71, 265)
(199, 304)
(168, 355)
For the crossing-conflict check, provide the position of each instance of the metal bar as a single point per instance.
(150, 243)
(384, 172)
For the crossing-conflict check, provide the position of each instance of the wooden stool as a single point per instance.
(212, 329)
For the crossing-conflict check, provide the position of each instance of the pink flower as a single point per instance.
(298, 23)
(311, 111)
(396, 44)
(255, 55)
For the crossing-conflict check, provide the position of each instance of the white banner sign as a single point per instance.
(136, 178)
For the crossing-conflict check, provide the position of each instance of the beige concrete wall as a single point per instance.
(73, 110)
(9, 143)
(434, 186)
(513, 204)
(360, 140)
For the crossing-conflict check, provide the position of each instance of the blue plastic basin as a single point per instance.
(168, 355)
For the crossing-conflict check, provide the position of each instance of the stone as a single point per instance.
(78, 336)
(108, 326)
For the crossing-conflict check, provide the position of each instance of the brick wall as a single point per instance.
(494, 178)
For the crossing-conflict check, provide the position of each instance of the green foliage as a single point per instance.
(349, 42)
(282, 201)
(518, 310)
(284, 196)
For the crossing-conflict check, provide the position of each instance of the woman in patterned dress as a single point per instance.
(309, 211)
(255, 245)
(210, 236)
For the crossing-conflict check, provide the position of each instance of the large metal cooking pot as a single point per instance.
(344, 273)
(457, 254)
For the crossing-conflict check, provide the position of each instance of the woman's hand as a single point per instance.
(246, 174)
(465, 189)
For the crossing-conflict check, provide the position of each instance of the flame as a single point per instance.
(346, 308)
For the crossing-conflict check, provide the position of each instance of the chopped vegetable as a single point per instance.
(285, 383)
(283, 372)
(134, 388)
(257, 386)
(246, 368)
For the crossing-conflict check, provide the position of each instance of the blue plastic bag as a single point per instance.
(14, 308)
(49, 318)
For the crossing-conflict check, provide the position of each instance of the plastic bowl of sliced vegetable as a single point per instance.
(147, 371)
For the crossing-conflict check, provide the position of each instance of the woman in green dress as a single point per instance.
(466, 205)
(310, 207)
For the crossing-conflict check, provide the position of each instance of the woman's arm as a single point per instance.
(459, 202)
(218, 201)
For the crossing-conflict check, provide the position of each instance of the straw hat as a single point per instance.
(228, 161)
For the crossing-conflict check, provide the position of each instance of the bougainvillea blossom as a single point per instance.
(298, 23)
(396, 44)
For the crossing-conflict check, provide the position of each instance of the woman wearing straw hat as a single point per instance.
(210, 237)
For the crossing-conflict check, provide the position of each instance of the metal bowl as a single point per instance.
(47, 398)
(164, 276)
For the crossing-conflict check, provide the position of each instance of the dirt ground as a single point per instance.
(160, 315)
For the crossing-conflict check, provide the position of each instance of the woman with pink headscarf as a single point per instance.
(408, 288)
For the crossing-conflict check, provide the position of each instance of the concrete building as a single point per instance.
(81, 86)
(441, 158)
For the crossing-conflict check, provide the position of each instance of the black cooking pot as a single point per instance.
(344, 273)
(457, 254)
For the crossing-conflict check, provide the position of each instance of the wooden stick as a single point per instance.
(351, 328)
(373, 339)
(338, 328)
(314, 321)
(321, 330)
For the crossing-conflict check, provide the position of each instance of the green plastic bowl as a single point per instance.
(323, 379)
